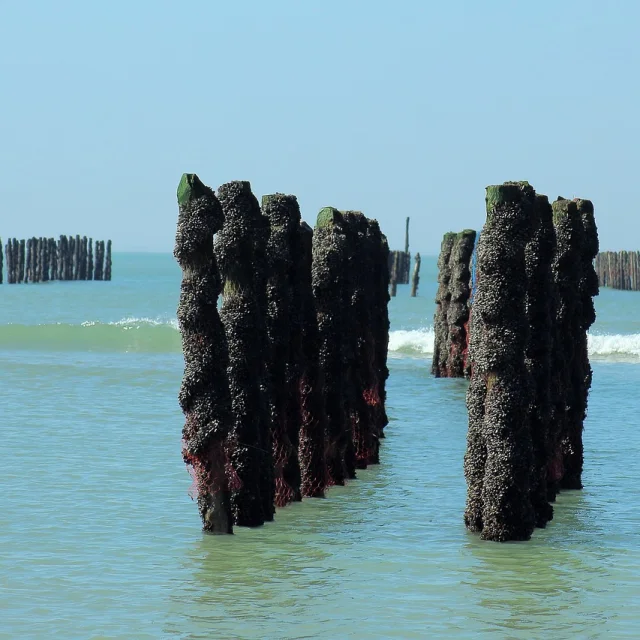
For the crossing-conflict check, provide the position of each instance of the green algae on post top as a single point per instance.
(327, 216)
(190, 188)
(509, 192)
(562, 209)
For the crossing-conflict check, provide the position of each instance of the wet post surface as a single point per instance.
(241, 314)
(567, 270)
(540, 309)
(329, 281)
(204, 395)
(359, 342)
(499, 456)
(107, 263)
(313, 423)
(21, 260)
(415, 279)
(458, 304)
(443, 296)
(90, 260)
(283, 214)
(581, 377)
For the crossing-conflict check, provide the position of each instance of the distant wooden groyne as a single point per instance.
(399, 267)
(44, 259)
(619, 269)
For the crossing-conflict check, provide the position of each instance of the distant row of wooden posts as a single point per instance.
(619, 269)
(615, 269)
(399, 267)
(44, 259)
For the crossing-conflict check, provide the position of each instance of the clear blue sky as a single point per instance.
(394, 108)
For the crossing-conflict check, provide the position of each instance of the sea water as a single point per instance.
(100, 539)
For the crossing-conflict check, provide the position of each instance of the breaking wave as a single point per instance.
(146, 335)
(618, 347)
(142, 335)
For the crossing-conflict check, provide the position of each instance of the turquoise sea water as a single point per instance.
(99, 538)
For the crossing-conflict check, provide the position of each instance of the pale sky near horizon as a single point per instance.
(394, 109)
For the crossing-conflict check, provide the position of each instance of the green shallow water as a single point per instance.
(99, 539)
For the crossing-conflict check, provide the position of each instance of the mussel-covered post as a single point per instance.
(540, 310)
(499, 452)
(204, 394)
(572, 448)
(380, 322)
(283, 214)
(359, 343)
(415, 280)
(443, 296)
(313, 423)
(395, 272)
(250, 451)
(566, 269)
(458, 307)
(329, 279)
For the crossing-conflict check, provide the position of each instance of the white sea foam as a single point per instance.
(416, 342)
(610, 346)
(419, 342)
(135, 323)
(615, 346)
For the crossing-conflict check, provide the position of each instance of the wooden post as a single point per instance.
(241, 313)
(107, 264)
(312, 417)
(45, 259)
(458, 307)
(329, 279)
(381, 325)
(395, 272)
(204, 395)
(567, 273)
(53, 256)
(90, 260)
(499, 460)
(416, 276)
(539, 253)
(21, 261)
(440, 327)
(283, 214)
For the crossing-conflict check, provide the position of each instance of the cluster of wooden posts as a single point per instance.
(399, 264)
(531, 293)
(619, 269)
(45, 259)
(284, 386)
